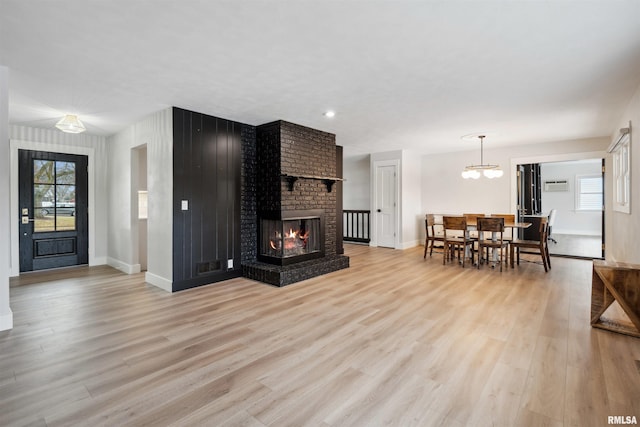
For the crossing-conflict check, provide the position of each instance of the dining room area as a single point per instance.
(497, 240)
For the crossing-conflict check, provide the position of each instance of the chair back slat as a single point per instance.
(454, 223)
(491, 224)
(431, 220)
(507, 217)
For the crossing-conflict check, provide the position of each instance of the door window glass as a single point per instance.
(54, 195)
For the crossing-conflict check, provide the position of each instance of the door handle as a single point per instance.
(379, 210)
(27, 220)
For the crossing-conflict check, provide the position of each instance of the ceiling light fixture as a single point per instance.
(489, 171)
(71, 124)
(330, 114)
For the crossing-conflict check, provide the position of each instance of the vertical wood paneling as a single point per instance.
(207, 170)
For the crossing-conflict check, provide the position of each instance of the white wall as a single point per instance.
(6, 316)
(411, 203)
(568, 219)
(622, 241)
(156, 131)
(94, 147)
(357, 184)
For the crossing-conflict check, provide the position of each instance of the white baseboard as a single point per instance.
(577, 232)
(123, 266)
(411, 244)
(6, 321)
(160, 282)
(98, 261)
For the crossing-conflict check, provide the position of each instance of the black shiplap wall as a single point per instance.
(207, 167)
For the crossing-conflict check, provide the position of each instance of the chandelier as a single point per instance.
(70, 124)
(489, 171)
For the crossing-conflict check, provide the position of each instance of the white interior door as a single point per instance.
(386, 209)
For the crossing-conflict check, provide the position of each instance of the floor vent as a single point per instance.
(206, 267)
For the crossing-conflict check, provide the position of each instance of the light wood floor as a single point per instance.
(393, 340)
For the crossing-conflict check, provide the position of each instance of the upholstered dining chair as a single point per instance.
(495, 226)
(432, 235)
(539, 245)
(456, 238)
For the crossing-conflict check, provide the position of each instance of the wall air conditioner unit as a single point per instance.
(557, 185)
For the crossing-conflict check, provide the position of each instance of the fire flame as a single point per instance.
(292, 239)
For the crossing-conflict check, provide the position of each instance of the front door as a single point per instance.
(386, 209)
(53, 198)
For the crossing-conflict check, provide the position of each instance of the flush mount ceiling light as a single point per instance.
(473, 171)
(70, 124)
(330, 114)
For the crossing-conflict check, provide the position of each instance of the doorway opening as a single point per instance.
(571, 194)
(140, 204)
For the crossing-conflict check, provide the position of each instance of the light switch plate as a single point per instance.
(185, 205)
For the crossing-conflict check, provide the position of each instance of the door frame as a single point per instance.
(76, 253)
(565, 157)
(16, 145)
(374, 200)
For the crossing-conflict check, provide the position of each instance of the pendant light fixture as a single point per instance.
(71, 124)
(489, 171)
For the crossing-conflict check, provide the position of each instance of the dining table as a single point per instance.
(472, 225)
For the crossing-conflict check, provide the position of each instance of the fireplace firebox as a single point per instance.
(291, 236)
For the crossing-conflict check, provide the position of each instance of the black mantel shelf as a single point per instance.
(327, 180)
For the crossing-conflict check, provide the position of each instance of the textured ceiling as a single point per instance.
(399, 74)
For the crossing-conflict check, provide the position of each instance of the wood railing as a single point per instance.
(356, 226)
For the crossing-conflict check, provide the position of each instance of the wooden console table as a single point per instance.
(614, 281)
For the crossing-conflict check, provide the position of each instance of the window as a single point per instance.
(589, 193)
(54, 195)
(622, 175)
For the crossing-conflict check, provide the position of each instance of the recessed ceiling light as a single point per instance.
(330, 114)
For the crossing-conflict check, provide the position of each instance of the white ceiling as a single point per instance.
(400, 74)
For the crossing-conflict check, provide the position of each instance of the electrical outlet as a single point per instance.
(229, 264)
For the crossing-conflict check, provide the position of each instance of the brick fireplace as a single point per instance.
(297, 186)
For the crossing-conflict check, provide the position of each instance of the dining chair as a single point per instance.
(472, 218)
(432, 235)
(552, 219)
(540, 245)
(456, 237)
(508, 218)
(495, 226)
